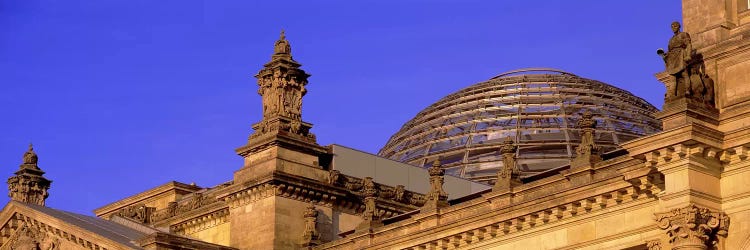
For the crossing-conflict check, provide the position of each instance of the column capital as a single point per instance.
(692, 227)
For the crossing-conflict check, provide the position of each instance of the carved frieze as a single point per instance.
(140, 213)
(194, 202)
(27, 237)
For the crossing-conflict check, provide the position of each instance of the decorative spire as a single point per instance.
(28, 184)
(436, 197)
(508, 176)
(281, 84)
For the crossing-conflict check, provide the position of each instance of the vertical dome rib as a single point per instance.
(538, 108)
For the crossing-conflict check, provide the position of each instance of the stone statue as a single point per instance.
(677, 60)
(30, 157)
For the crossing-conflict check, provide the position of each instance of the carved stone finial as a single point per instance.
(693, 227)
(311, 236)
(282, 45)
(30, 157)
(436, 197)
(28, 184)
(508, 175)
(587, 152)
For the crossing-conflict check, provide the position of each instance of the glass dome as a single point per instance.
(538, 108)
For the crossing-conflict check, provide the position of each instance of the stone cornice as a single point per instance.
(205, 221)
(282, 139)
(687, 134)
(501, 213)
(142, 196)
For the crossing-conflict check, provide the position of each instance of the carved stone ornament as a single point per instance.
(139, 213)
(27, 237)
(653, 245)
(334, 177)
(369, 189)
(197, 200)
(310, 237)
(693, 226)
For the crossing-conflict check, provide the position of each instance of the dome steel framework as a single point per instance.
(537, 107)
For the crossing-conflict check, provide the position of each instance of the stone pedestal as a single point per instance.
(685, 111)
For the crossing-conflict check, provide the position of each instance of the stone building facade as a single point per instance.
(683, 188)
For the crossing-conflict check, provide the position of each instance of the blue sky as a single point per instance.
(122, 96)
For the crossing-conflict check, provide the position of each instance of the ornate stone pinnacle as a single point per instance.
(28, 184)
(281, 85)
(693, 226)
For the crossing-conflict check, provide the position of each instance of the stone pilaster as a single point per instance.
(436, 197)
(28, 184)
(693, 227)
